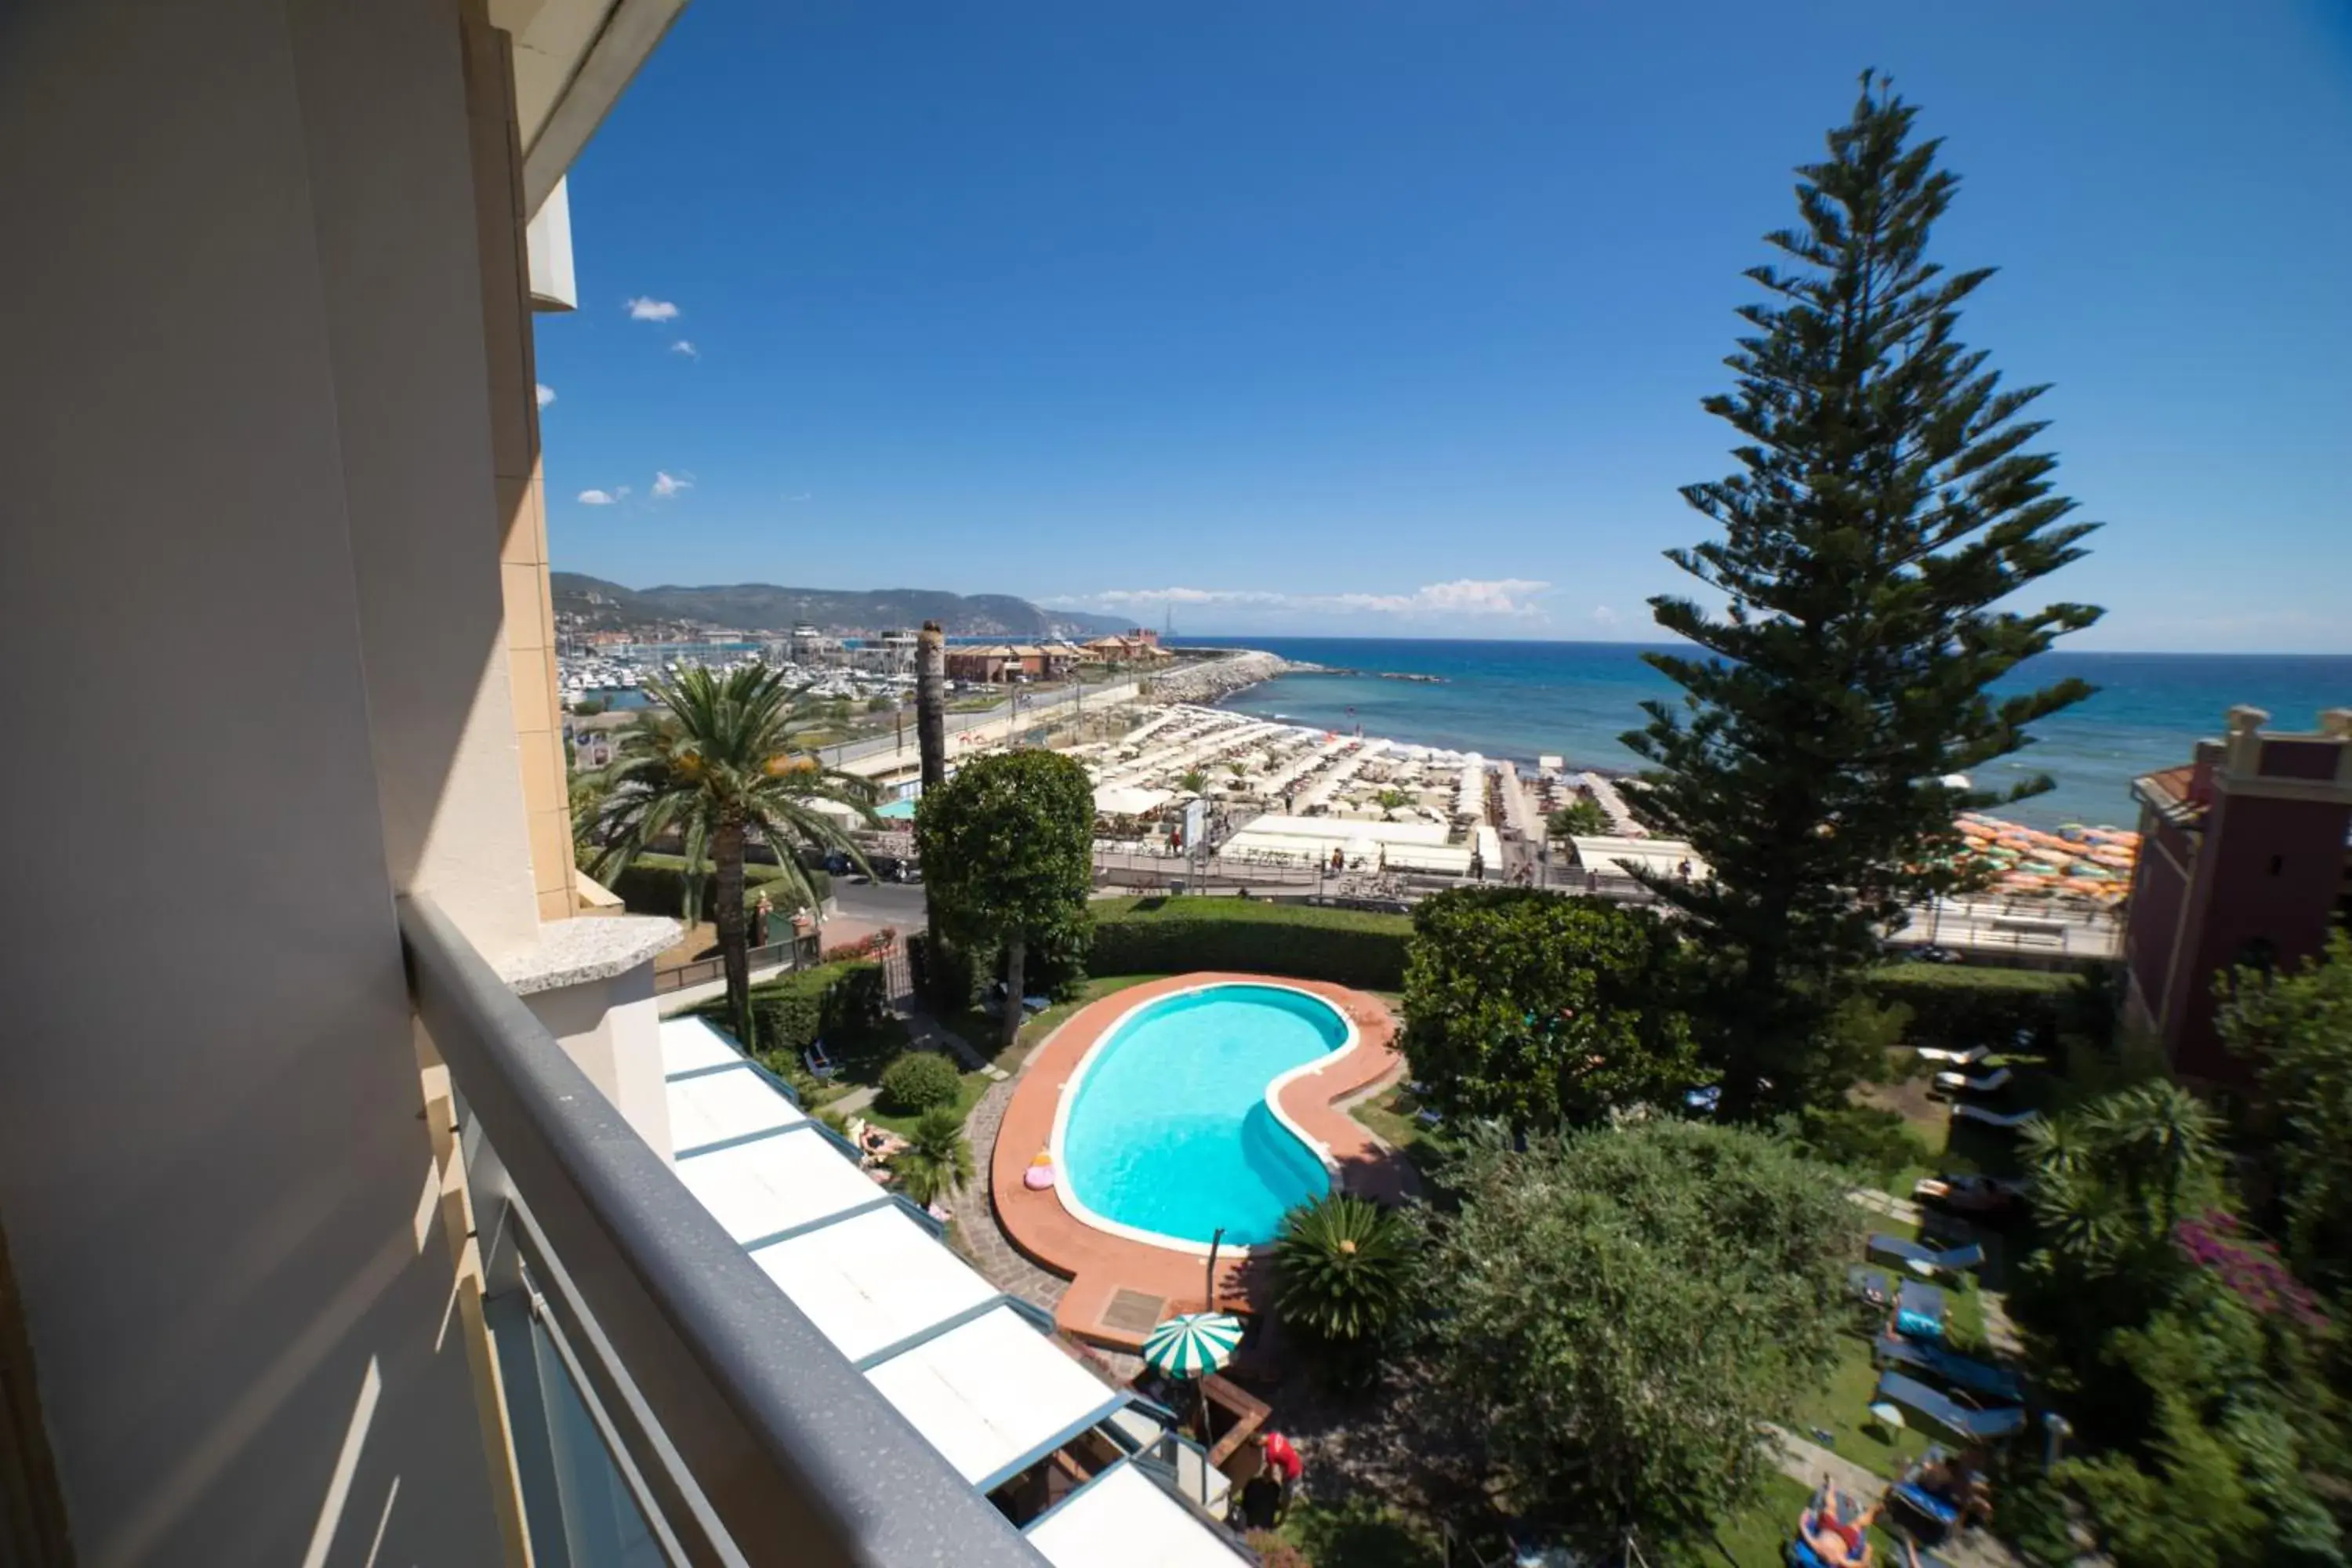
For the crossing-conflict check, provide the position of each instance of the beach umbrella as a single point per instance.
(1194, 1344)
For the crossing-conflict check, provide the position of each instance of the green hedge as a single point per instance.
(1304, 941)
(918, 1082)
(794, 1011)
(1970, 1005)
(656, 885)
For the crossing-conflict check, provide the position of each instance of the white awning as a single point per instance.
(723, 1106)
(874, 1281)
(994, 1395)
(763, 1189)
(1130, 800)
(690, 1043)
(980, 1378)
(1121, 1518)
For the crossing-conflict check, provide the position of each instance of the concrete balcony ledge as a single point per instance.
(590, 948)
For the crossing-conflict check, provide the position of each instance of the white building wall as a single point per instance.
(213, 1179)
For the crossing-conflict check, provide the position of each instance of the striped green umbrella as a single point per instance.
(1193, 1345)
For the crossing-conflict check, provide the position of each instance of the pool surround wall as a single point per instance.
(1099, 1263)
(1194, 985)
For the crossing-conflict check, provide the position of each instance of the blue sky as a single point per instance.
(1352, 317)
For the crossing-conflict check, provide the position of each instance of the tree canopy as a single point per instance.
(1887, 502)
(1542, 1010)
(2297, 1029)
(2190, 1360)
(1007, 848)
(1619, 1311)
(724, 759)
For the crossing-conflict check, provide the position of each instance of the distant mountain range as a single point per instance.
(765, 608)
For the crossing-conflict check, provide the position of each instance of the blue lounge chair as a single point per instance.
(820, 1066)
(1870, 1285)
(1920, 1312)
(1946, 1414)
(1948, 1367)
(1917, 1257)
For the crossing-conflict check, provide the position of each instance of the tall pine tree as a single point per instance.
(1886, 505)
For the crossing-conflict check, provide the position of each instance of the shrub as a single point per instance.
(1965, 1005)
(1346, 1272)
(1171, 936)
(792, 1012)
(869, 946)
(919, 1082)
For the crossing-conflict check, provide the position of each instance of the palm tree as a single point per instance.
(937, 1160)
(2160, 1141)
(1344, 1270)
(722, 760)
(1193, 782)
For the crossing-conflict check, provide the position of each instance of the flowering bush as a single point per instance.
(2249, 1268)
(871, 946)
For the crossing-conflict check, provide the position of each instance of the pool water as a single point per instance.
(1169, 1130)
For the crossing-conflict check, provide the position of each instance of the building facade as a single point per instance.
(2243, 861)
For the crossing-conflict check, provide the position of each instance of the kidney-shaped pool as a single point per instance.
(1168, 1129)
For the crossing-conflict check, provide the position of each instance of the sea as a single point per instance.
(1524, 700)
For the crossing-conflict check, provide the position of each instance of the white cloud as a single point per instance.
(546, 395)
(602, 498)
(645, 308)
(686, 346)
(1463, 596)
(1603, 616)
(667, 485)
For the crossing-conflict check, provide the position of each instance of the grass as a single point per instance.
(980, 1031)
(969, 1087)
(1757, 1537)
(1358, 1534)
(1390, 1117)
(1843, 1409)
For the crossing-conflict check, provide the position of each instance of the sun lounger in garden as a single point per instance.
(2004, 1119)
(819, 1064)
(1967, 1059)
(1947, 1415)
(1923, 1260)
(1949, 1367)
(1870, 1286)
(1920, 1312)
(1961, 1083)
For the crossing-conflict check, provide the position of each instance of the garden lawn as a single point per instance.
(979, 1031)
(1758, 1537)
(1358, 1534)
(1843, 1409)
(969, 1087)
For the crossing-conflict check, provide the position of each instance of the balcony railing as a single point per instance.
(665, 1397)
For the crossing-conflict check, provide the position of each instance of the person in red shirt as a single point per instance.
(1282, 1460)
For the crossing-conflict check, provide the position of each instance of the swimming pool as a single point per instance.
(1168, 1130)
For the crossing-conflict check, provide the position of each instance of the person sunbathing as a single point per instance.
(1838, 1543)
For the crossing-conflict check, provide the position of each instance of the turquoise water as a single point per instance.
(1170, 1130)
(1522, 700)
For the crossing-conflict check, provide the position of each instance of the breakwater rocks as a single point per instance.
(1213, 678)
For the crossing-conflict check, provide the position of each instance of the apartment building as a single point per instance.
(352, 1202)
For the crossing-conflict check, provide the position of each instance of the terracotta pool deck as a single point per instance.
(1119, 1287)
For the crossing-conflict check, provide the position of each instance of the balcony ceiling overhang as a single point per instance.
(571, 60)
